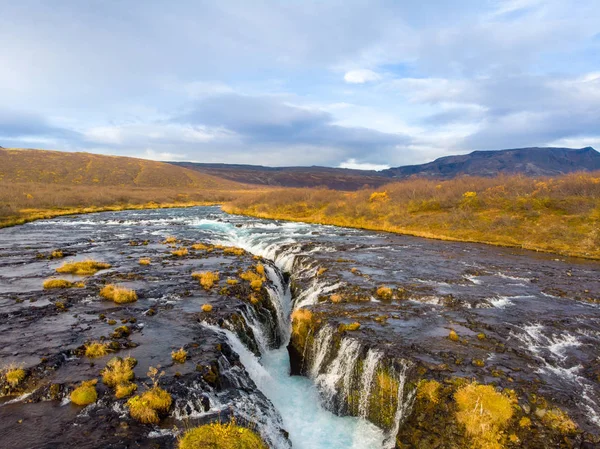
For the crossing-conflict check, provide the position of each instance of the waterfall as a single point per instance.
(369, 366)
(403, 406)
(320, 350)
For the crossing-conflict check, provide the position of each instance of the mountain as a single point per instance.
(528, 161)
(57, 167)
(315, 176)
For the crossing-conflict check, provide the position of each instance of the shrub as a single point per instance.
(83, 268)
(385, 292)
(144, 261)
(96, 349)
(13, 375)
(147, 407)
(118, 371)
(453, 335)
(170, 240)
(120, 295)
(207, 278)
(222, 436)
(207, 308)
(484, 412)
(125, 389)
(179, 356)
(60, 283)
(180, 252)
(378, 196)
(85, 393)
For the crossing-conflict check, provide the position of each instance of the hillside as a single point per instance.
(56, 167)
(527, 161)
(315, 176)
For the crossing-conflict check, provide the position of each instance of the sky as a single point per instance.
(357, 84)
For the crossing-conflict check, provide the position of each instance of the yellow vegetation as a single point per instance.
(125, 389)
(14, 375)
(256, 277)
(207, 308)
(61, 283)
(202, 247)
(350, 327)
(485, 413)
(221, 436)
(120, 295)
(118, 371)
(180, 252)
(232, 250)
(179, 356)
(430, 390)
(559, 420)
(207, 278)
(144, 261)
(147, 407)
(384, 292)
(336, 298)
(56, 254)
(83, 268)
(302, 320)
(96, 349)
(232, 281)
(453, 335)
(85, 393)
(170, 240)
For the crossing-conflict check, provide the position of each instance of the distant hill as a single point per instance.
(528, 161)
(334, 178)
(57, 167)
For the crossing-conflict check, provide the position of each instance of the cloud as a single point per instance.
(361, 76)
(353, 164)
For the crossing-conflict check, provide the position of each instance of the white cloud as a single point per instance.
(353, 164)
(361, 76)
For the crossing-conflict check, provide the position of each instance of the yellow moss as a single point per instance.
(120, 295)
(254, 299)
(221, 436)
(453, 335)
(478, 362)
(559, 420)
(179, 356)
(146, 407)
(56, 254)
(202, 247)
(58, 283)
(484, 412)
(260, 269)
(83, 268)
(96, 349)
(321, 270)
(13, 375)
(349, 327)
(144, 261)
(232, 281)
(385, 292)
(207, 308)
(180, 252)
(525, 422)
(232, 250)
(125, 389)
(170, 240)
(118, 371)
(481, 336)
(302, 320)
(207, 278)
(429, 390)
(85, 393)
(256, 277)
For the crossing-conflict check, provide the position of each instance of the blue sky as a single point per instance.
(339, 83)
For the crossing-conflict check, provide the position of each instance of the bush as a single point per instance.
(179, 356)
(125, 389)
(559, 420)
(147, 407)
(144, 261)
(56, 254)
(120, 295)
(85, 393)
(302, 320)
(96, 349)
(202, 247)
(180, 252)
(484, 412)
(61, 283)
(118, 371)
(385, 293)
(232, 250)
(453, 335)
(170, 240)
(13, 375)
(207, 278)
(83, 268)
(256, 277)
(221, 436)
(207, 308)
(336, 298)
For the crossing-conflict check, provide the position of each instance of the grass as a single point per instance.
(14, 375)
(302, 320)
(179, 356)
(256, 277)
(85, 393)
(170, 240)
(453, 335)
(207, 278)
(61, 283)
(125, 389)
(56, 254)
(336, 298)
(207, 308)
(485, 413)
(202, 247)
(118, 371)
(96, 349)
(233, 251)
(180, 252)
(221, 436)
(349, 327)
(119, 295)
(559, 420)
(147, 407)
(83, 268)
(144, 261)
(385, 293)
(559, 214)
